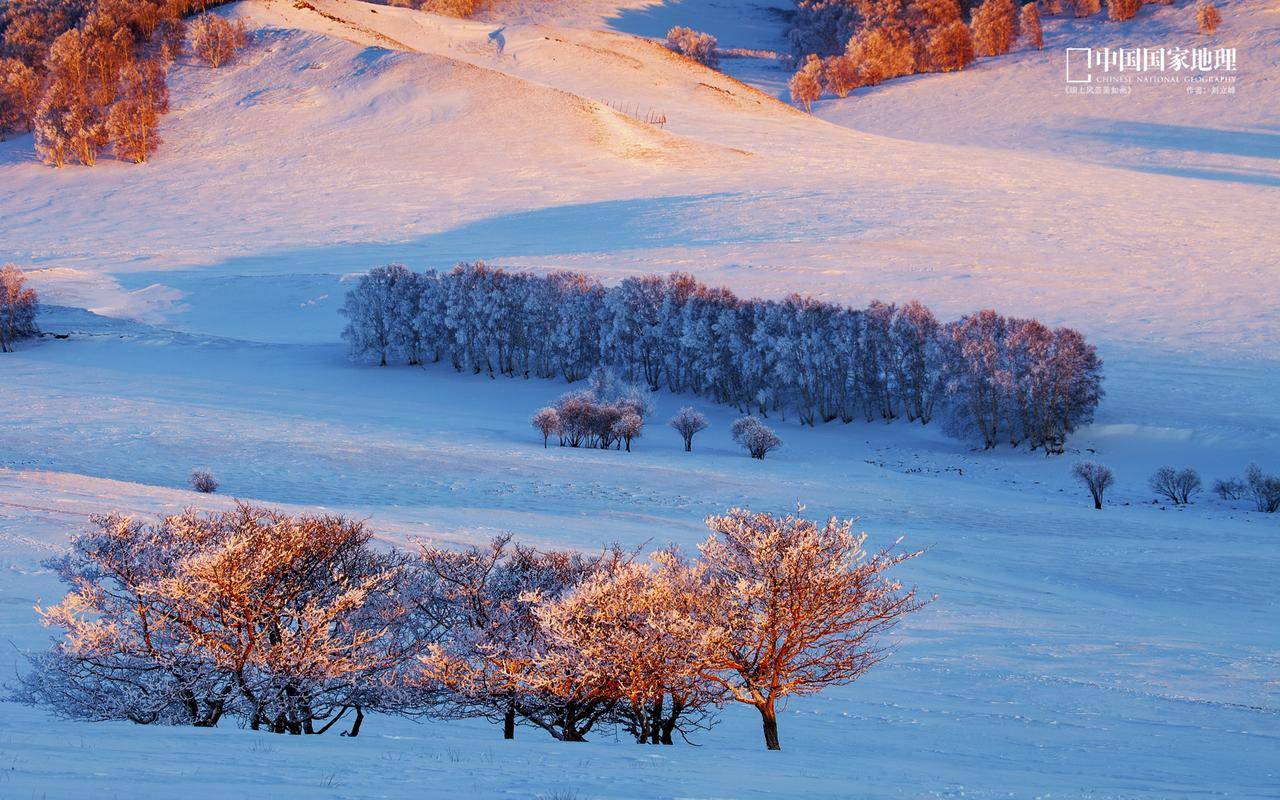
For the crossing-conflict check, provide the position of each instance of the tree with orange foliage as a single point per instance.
(1030, 26)
(793, 607)
(1208, 18)
(134, 119)
(289, 622)
(806, 83)
(635, 631)
(19, 91)
(216, 40)
(950, 47)
(994, 25)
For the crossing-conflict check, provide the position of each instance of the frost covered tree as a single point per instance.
(547, 421)
(1208, 18)
(806, 84)
(794, 606)
(822, 360)
(19, 92)
(949, 47)
(755, 437)
(497, 659)
(215, 40)
(1029, 26)
(994, 25)
(287, 622)
(882, 52)
(626, 428)
(688, 422)
(701, 47)
(133, 121)
(375, 326)
(1175, 485)
(1086, 8)
(1095, 477)
(1121, 10)
(18, 304)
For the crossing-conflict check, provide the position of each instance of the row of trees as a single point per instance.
(996, 378)
(842, 45)
(85, 75)
(18, 304)
(291, 624)
(1179, 486)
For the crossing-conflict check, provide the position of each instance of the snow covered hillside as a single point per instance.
(1124, 653)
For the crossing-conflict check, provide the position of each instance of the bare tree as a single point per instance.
(1095, 477)
(1177, 486)
(688, 422)
(203, 481)
(1230, 488)
(1263, 489)
(794, 607)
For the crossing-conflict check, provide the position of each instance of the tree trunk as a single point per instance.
(355, 726)
(770, 720)
(509, 721)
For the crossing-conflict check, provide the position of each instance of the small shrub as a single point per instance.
(1230, 489)
(1052, 7)
(1177, 486)
(701, 47)
(1208, 18)
(1263, 489)
(202, 481)
(1086, 8)
(1096, 478)
(755, 437)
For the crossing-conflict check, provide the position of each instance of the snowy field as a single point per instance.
(1071, 653)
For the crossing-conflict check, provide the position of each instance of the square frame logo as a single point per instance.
(1080, 54)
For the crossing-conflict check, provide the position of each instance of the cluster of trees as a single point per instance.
(609, 413)
(997, 378)
(842, 45)
(17, 308)
(449, 8)
(1179, 486)
(291, 624)
(85, 75)
(701, 47)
